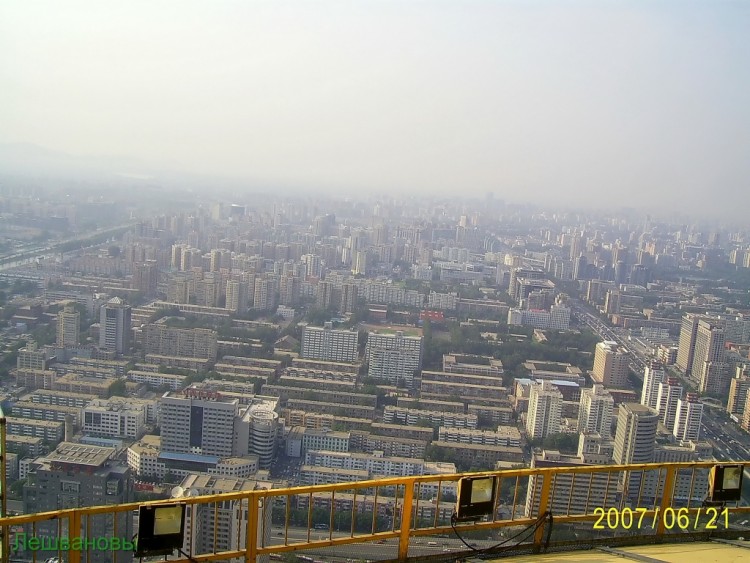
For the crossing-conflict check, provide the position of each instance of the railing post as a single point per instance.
(74, 531)
(543, 503)
(252, 528)
(666, 497)
(403, 541)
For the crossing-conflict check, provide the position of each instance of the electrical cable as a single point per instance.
(528, 531)
(549, 531)
(191, 559)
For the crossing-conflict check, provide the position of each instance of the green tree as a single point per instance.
(118, 389)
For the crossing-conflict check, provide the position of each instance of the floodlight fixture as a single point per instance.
(725, 483)
(476, 497)
(161, 529)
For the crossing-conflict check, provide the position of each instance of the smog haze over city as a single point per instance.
(248, 246)
(593, 104)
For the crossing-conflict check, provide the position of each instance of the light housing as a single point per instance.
(161, 529)
(476, 497)
(725, 483)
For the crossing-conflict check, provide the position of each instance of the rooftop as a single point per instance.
(195, 458)
(79, 454)
(392, 330)
(204, 483)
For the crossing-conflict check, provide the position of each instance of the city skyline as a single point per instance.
(248, 246)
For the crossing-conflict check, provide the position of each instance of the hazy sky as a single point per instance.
(614, 101)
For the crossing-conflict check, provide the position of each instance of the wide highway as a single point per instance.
(729, 441)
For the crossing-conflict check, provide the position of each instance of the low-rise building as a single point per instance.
(411, 417)
(481, 455)
(375, 464)
(146, 459)
(325, 440)
(495, 415)
(62, 398)
(118, 417)
(45, 429)
(318, 475)
(75, 383)
(39, 411)
(505, 436)
(157, 380)
(35, 378)
(473, 365)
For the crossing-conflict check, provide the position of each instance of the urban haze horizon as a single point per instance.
(582, 105)
(93, 175)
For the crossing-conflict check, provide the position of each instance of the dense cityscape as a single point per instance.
(299, 341)
(364, 281)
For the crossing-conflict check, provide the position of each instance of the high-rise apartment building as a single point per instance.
(746, 415)
(709, 369)
(216, 259)
(289, 289)
(236, 296)
(349, 296)
(328, 344)
(653, 375)
(595, 411)
(199, 422)
(359, 262)
(188, 342)
(314, 265)
(569, 495)
(223, 527)
(176, 261)
(670, 393)
(145, 277)
(610, 365)
(738, 389)
(394, 357)
(687, 425)
(324, 294)
(207, 290)
(526, 273)
(181, 289)
(692, 350)
(545, 407)
(634, 441)
(68, 326)
(576, 245)
(114, 326)
(686, 347)
(265, 294)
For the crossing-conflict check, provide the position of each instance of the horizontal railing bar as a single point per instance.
(313, 493)
(372, 483)
(348, 540)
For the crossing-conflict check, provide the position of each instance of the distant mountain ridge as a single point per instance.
(29, 159)
(35, 162)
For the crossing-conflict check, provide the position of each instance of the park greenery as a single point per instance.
(563, 442)
(571, 347)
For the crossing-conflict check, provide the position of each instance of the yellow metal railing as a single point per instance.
(402, 517)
